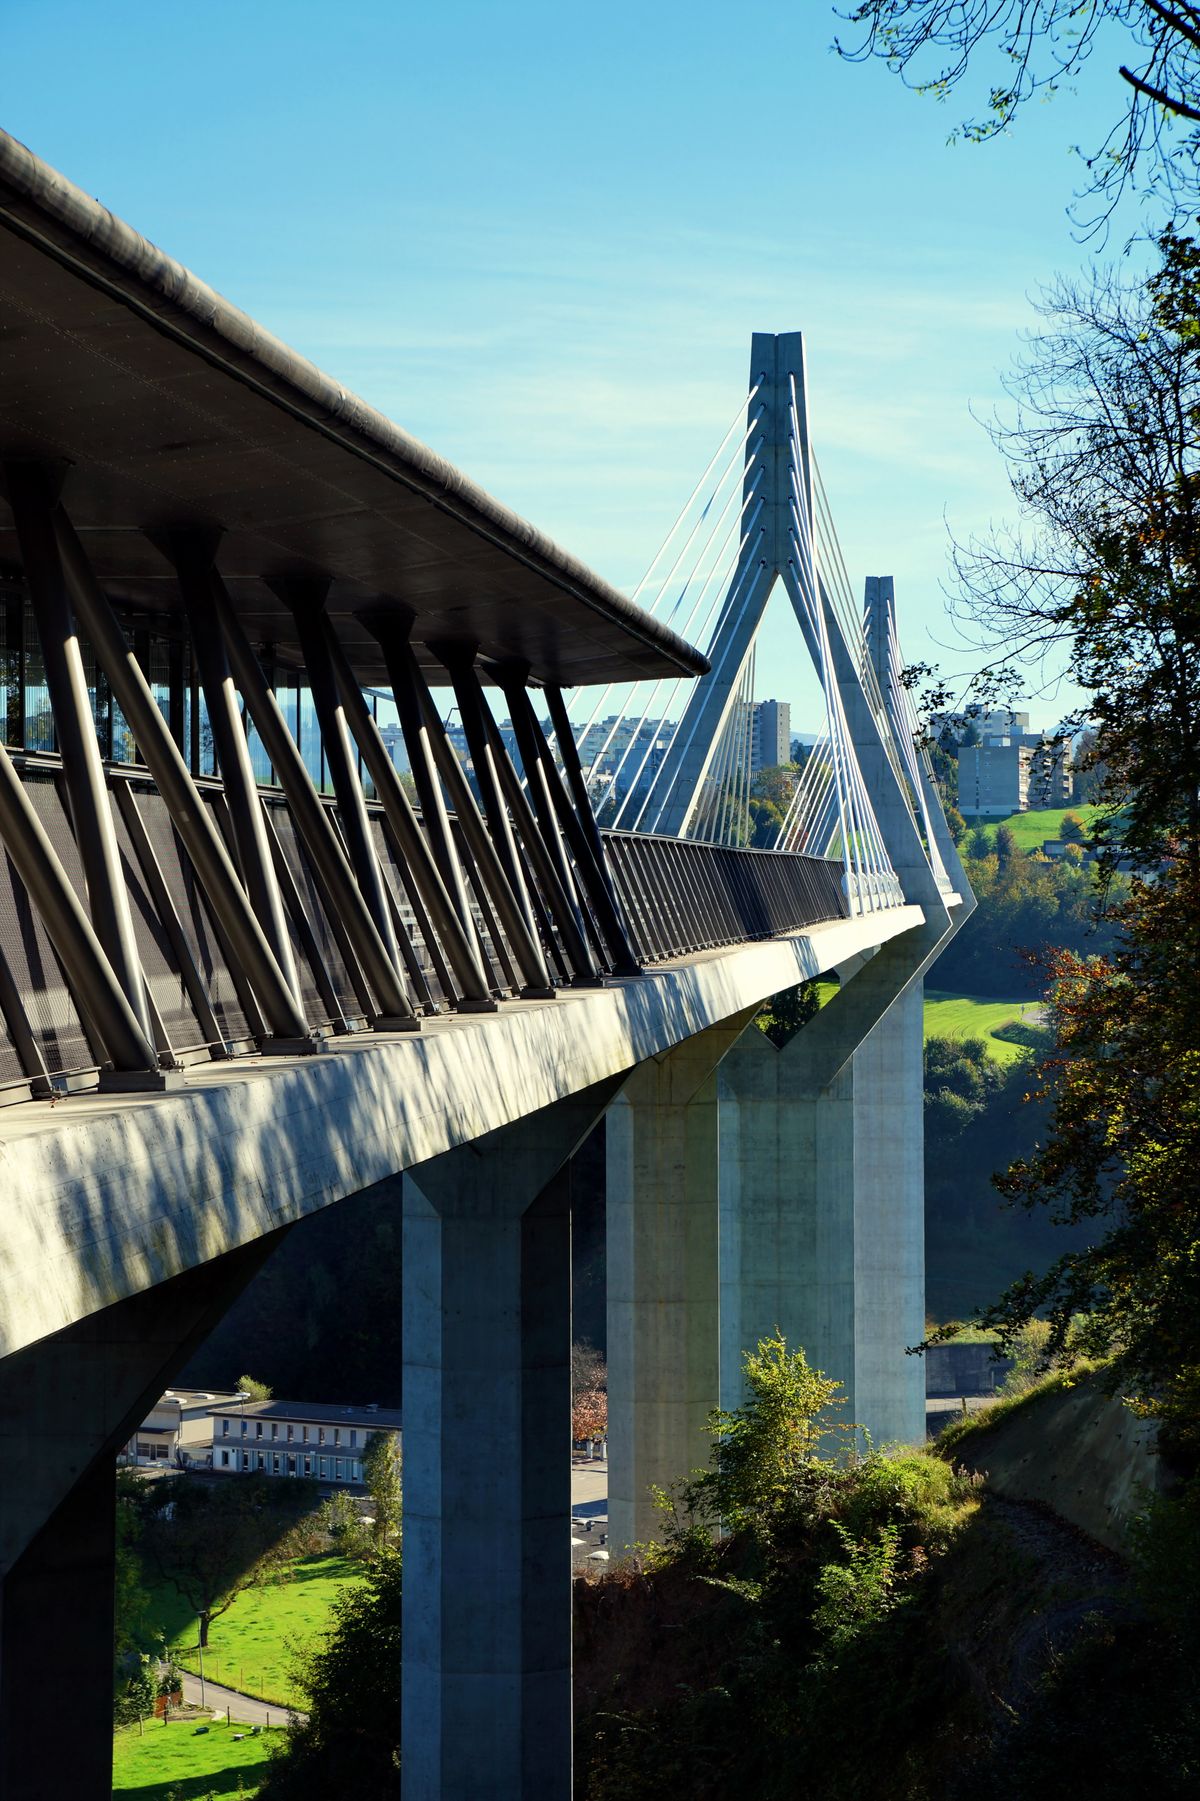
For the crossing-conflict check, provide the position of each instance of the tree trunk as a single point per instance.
(204, 1624)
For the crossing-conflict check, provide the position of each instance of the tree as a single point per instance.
(1104, 572)
(589, 1392)
(761, 1448)
(349, 1744)
(1005, 845)
(212, 1541)
(1121, 1153)
(786, 1012)
(1037, 48)
(1071, 829)
(253, 1389)
(381, 1473)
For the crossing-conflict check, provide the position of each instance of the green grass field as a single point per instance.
(958, 1016)
(252, 1647)
(1030, 830)
(177, 1763)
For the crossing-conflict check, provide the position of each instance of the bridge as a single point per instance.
(248, 969)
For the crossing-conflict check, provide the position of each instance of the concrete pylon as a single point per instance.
(822, 1214)
(663, 1280)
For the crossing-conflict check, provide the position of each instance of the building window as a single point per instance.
(337, 1435)
(245, 1460)
(262, 1462)
(355, 1471)
(258, 1428)
(224, 1460)
(308, 1466)
(323, 1465)
(291, 1465)
(275, 1464)
(291, 1434)
(244, 1428)
(353, 1437)
(274, 1430)
(337, 1469)
(224, 1428)
(304, 1433)
(320, 1435)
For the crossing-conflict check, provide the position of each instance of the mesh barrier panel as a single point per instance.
(314, 907)
(394, 878)
(155, 952)
(316, 1006)
(50, 1007)
(192, 912)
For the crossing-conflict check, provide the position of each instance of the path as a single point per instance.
(242, 1708)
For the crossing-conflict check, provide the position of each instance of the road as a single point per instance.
(242, 1708)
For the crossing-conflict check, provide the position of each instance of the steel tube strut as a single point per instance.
(88, 969)
(193, 562)
(33, 493)
(456, 939)
(584, 844)
(526, 949)
(559, 898)
(173, 780)
(395, 1008)
(306, 601)
(459, 660)
(392, 633)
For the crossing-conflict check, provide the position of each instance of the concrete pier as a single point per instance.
(486, 1693)
(663, 1336)
(822, 1212)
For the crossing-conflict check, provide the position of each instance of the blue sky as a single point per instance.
(540, 237)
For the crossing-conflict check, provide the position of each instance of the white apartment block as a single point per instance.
(296, 1438)
(177, 1431)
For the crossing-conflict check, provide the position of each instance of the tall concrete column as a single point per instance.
(486, 1691)
(67, 1406)
(822, 1211)
(663, 1278)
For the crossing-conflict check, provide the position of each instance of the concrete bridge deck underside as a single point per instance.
(108, 1196)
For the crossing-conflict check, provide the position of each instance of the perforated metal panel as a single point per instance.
(156, 953)
(314, 908)
(50, 1008)
(192, 910)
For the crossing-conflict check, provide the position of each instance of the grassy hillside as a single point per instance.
(167, 1763)
(1032, 829)
(252, 1647)
(1009, 1029)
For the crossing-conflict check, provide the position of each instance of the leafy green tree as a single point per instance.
(210, 1541)
(786, 1012)
(1071, 829)
(1005, 845)
(381, 1474)
(979, 844)
(760, 1449)
(349, 1744)
(253, 1389)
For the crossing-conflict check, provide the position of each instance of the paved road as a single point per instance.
(242, 1708)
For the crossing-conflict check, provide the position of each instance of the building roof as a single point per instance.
(175, 410)
(319, 1413)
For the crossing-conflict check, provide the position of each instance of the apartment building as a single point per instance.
(296, 1438)
(1011, 771)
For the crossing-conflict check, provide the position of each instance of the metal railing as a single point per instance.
(681, 896)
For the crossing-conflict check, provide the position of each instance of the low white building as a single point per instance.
(296, 1438)
(178, 1429)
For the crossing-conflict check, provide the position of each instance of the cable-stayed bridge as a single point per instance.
(248, 967)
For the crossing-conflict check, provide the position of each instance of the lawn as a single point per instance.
(253, 1647)
(1030, 830)
(1004, 1026)
(177, 1763)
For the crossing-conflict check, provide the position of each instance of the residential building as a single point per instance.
(296, 1438)
(770, 734)
(177, 1431)
(1011, 771)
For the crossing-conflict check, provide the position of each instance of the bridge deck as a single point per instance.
(108, 1195)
